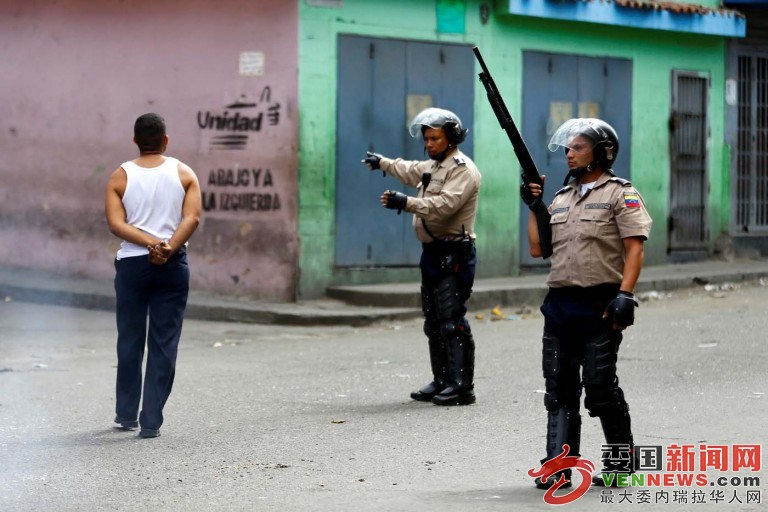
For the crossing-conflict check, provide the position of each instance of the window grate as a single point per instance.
(751, 208)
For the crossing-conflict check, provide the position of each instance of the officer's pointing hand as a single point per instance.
(373, 160)
(393, 200)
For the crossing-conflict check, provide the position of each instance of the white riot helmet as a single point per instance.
(438, 118)
(601, 134)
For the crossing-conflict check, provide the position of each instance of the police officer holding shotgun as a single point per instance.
(599, 223)
(444, 212)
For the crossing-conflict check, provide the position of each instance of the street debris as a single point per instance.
(653, 295)
(227, 342)
(497, 314)
(707, 345)
(338, 422)
(722, 287)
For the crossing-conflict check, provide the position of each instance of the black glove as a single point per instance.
(622, 309)
(396, 201)
(529, 198)
(372, 159)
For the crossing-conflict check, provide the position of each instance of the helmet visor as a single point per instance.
(433, 118)
(575, 134)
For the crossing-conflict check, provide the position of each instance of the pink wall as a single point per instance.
(77, 73)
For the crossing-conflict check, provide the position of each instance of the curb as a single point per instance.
(358, 305)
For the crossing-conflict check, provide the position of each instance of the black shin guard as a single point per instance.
(438, 360)
(461, 358)
(619, 453)
(563, 428)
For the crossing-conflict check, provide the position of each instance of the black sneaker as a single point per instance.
(126, 424)
(149, 432)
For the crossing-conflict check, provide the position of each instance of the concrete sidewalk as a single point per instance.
(362, 304)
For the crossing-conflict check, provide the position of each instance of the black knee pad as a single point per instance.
(448, 302)
(600, 355)
(556, 395)
(603, 400)
(550, 365)
(432, 330)
(550, 355)
(449, 307)
(448, 329)
(428, 306)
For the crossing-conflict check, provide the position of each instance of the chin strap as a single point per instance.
(440, 157)
(576, 174)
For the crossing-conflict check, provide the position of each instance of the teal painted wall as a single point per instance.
(503, 39)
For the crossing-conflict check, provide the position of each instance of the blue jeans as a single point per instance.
(160, 292)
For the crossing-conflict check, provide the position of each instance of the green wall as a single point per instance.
(503, 39)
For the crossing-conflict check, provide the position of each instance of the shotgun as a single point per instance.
(530, 174)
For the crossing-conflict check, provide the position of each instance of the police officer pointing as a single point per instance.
(599, 223)
(444, 220)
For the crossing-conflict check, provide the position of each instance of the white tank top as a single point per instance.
(153, 199)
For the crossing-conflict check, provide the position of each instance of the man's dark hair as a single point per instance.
(149, 132)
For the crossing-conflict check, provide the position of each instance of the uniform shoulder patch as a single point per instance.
(564, 189)
(631, 199)
(621, 181)
(459, 160)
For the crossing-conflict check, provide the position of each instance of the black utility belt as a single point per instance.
(599, 291)
(450, 253)
(448, 246)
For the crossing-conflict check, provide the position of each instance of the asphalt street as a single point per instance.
(276, 418)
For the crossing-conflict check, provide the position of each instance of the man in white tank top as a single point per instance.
(153, 205)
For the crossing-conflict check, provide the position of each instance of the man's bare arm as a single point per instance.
(191, 209)
(115, 213)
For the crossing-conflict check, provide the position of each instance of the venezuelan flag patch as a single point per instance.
(631, 200)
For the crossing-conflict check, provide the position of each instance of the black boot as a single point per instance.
(617, 428)
(461, 371)
(437, 360)
(563, 427)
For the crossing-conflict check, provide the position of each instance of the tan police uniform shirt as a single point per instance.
(450, 202)
(587, 231)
